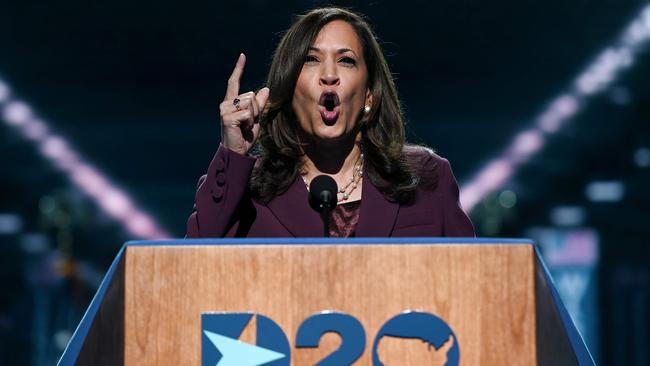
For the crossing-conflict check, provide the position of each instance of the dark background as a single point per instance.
(134, 87)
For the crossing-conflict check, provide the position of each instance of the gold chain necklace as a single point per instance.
(344, 192)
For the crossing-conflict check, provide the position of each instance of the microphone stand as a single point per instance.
(325, 212)
(322, 198)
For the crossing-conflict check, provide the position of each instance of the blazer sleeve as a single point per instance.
(219, 193)
(455, 221)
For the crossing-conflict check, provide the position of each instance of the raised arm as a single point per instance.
(220, 191)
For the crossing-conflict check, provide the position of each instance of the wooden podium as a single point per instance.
(494, 294)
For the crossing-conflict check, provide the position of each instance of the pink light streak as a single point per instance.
(596, 78)
(86, 178)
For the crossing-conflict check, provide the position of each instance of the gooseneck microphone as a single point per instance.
(322, 198)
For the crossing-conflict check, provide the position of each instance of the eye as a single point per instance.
(348, 60)
(311, 58)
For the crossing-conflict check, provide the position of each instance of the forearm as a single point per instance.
(219, 193)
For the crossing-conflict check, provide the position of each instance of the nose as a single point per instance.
(329, 75)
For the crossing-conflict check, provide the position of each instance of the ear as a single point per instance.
(368, 97)
(367, 102)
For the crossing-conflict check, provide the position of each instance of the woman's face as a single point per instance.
(332, 87)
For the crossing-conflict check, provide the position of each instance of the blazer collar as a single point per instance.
(292, 209)
(376, 217)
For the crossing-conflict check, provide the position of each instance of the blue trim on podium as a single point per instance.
(327, 241)
(71, 352)
(583, 355)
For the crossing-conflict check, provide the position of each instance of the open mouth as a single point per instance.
(329, 103)
(329, 107)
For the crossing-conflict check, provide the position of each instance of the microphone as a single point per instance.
(322, 198)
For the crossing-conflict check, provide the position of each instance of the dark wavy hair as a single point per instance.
(382, 130)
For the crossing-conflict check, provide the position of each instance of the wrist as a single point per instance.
(238, 150)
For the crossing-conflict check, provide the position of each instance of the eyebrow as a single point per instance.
(339, 51)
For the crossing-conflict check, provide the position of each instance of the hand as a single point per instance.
(240, 127)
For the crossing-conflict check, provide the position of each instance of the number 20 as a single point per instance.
(353, 337)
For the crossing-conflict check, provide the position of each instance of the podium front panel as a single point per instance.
(484, 293)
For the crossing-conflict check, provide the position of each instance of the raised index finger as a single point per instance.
(233, 82)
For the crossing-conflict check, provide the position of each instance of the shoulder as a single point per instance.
(418, 155)
(429, 166)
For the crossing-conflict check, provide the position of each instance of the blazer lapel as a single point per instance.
(294, 213)
(378, 215)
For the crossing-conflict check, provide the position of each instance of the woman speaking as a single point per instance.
(330, 108)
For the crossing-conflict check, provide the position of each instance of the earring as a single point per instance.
(366, 109)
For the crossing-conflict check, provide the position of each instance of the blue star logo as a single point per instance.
(221, 345)
(238, 353)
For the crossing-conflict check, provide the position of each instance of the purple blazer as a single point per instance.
(224, 209)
